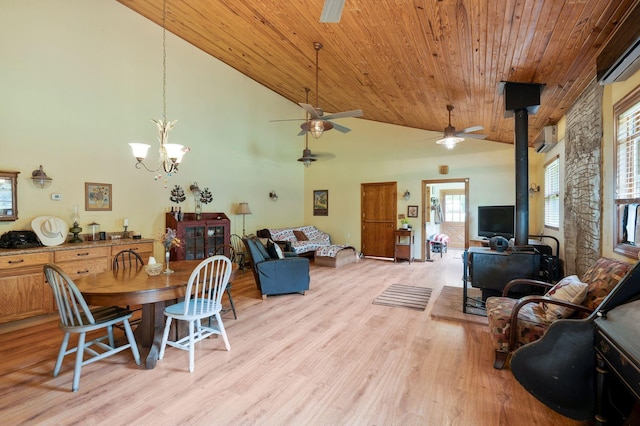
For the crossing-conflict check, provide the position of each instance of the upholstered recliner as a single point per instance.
(277, 276)
(516, 322)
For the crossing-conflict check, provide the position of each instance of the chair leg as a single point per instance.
(500, 360)
(61, 354)
(132, 341)
(233, 307)
(78, 367)
(191, 348)
(112, 341)
(223, 332)
(165, 337)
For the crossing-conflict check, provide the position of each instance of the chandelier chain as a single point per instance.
(164, 61)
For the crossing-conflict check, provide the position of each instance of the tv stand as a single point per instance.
(479, 242)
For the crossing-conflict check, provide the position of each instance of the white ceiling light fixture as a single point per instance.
(450, 138)
(170, 154)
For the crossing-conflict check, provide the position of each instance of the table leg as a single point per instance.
(149, 332)
(428, 251)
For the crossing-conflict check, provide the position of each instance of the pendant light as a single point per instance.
(170, 154)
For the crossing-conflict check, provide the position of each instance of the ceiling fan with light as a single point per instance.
(452, 137)
(317, 123)
(307, 156)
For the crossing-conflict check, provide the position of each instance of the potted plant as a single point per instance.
(405, 223)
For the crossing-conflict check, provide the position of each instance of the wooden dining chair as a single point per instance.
(77, 318)
(202, 300)
(128, 259)
(229, 251)
(240, 252)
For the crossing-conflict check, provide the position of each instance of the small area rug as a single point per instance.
(404, 296)
(448, 306)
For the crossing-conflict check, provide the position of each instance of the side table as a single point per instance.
(404, 244)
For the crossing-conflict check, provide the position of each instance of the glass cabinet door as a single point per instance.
(215, 238)
(194, 242)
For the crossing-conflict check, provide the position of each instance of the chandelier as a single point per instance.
(170, 153)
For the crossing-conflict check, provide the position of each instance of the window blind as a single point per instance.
(628, 154)
(552, 194)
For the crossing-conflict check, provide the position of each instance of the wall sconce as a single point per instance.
(273, 196)
(534, 189)
(40, 178)
(407, 195)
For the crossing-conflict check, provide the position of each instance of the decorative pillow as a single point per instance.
(568, 289)
(300, 236)
(271, 249)
(278, 251)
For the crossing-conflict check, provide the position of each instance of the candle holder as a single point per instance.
(125, 234)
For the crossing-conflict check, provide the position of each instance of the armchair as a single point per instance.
(517, 322)
(276, 276)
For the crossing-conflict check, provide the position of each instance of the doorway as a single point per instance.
(446, 211)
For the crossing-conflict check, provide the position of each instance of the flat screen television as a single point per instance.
(496, 221)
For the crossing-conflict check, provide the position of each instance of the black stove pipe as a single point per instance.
(520, 100)
(522, 176)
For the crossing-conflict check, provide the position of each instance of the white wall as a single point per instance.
(80, 79)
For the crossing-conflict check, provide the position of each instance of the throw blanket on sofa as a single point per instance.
(314, 238)
(331, 251)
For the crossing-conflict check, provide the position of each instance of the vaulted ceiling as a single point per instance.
(403, 61)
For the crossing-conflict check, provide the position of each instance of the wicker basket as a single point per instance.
(154, 269)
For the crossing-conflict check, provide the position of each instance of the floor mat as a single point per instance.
(404, 296)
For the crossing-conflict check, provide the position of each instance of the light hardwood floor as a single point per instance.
(328, 358)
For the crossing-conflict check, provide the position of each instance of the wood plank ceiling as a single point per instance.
(403, 61)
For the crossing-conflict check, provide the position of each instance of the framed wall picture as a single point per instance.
(412, 211)
(97, 196)
(321, 202)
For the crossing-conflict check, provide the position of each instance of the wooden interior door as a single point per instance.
(378, 220)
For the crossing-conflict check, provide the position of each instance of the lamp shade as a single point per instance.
(139, 149)
(243, 208)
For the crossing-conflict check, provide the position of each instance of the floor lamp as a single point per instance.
(243, 209)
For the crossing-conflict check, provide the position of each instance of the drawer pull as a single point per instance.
(16, 261)
(86, 271)
(82, 254)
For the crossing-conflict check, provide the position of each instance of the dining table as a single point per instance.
(133, 286)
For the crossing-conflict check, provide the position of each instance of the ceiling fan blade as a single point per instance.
(470, 129)
(302, 132)
(311, 110)
(332, 11)
(345, 114)
(340, 128)
(474, 136)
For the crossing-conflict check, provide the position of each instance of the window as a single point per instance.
(453, 206)
(627, 174)
(552, 194)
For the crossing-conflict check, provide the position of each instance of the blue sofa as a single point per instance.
(277, 276)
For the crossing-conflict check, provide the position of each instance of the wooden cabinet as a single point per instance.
(23, 290)
(199, 238)
(404, 244)
(24, 293)
(83, 261)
